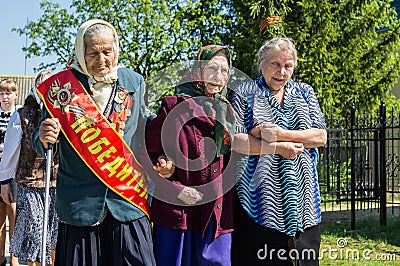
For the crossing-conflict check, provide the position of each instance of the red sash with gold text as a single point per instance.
(94, 139)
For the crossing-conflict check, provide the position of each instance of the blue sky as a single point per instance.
(15, 13)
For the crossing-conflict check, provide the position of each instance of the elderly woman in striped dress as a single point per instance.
(279, 123)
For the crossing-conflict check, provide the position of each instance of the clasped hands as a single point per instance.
(166, 168)
(273, 133)
(267, 131)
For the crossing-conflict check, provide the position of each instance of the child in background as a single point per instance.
(26, 168)
(8, 96)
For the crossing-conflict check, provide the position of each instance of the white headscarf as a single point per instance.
(100, 86)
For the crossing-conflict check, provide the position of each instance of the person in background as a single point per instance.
(95, 117)
(277, 208)
(193, 219)
(24, 166)
(8, 97)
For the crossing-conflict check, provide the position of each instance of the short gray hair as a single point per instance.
(102, 30)
(281, 44)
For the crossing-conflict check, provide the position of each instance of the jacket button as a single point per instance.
(219, 206)
(215, 170)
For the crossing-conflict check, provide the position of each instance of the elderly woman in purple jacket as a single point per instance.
(192, 207)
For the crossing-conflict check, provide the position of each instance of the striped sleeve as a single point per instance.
(317, 117)
(239, 104)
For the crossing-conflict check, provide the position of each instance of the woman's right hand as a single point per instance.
(48, 131)
(289, 149)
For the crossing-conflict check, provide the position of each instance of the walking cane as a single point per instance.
(49, 156)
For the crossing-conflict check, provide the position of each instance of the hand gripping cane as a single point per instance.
(49, 156)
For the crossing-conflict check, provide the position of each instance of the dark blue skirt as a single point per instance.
(188, 248)
(111, 243)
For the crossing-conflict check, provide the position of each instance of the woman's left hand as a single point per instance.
(190, 196)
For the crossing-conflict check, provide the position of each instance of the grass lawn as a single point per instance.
(369, 244)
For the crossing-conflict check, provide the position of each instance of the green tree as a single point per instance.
(154, 34)
(348, 49)
(246, 37)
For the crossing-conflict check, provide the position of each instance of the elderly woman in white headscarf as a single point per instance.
(95, 116)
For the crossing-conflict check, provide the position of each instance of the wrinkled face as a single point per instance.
(277, 68)
(216, 73)
(7, 99)
(99, 55)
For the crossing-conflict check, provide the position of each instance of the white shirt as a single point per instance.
(4, 119)
(12, 148)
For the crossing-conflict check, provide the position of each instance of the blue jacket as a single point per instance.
(80, 196)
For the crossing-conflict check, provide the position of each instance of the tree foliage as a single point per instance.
(348, 49)
(153, 34)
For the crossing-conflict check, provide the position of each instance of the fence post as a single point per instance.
(353, 168)
(382, 165)
(376, 165)
(338, 174)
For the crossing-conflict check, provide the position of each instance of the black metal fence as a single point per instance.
(359, 166)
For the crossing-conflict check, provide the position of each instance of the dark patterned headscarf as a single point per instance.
(216, 106)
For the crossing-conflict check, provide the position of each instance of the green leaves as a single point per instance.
(153, 33)
(348, 50)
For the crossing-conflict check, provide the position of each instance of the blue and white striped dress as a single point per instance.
(276, 192)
